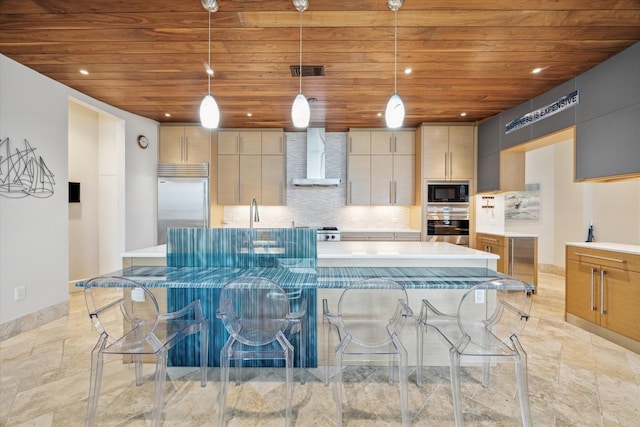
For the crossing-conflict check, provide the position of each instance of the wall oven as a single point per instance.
(448, 223)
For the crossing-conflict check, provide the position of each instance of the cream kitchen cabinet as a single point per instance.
(184, 144)
(381, 168)
(359, 180)
(359, 142)
(603, 293)
(251, 164)
(397, 143)
(447, 151)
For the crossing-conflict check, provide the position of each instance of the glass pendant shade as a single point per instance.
(300, 111)
(209, 112)
(394, 114)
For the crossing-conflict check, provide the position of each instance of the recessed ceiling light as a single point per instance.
(167, 114)
(379, 114)
(408, 70)
(249, 114)
(463, 114)
(536, 70)
(84, 72)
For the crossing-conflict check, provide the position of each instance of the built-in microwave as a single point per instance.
(448, 192)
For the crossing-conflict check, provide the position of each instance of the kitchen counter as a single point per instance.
(508, 234)
(364, 254)
(608, 246)
(402, 254)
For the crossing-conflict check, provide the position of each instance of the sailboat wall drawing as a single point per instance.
(23, 173)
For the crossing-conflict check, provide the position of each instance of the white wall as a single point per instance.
(83, 216)
(34, 250)
(33, 231)
(539, 168)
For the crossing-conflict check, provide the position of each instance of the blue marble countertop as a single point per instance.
(296, 277)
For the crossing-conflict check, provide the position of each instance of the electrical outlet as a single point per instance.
(479, 296)
(20, 293)
(137, 294)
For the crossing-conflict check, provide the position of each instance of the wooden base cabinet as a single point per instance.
(603, 289)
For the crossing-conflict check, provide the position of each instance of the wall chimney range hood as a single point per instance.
(316, 162)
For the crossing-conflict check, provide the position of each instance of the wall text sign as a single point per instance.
(567, 101)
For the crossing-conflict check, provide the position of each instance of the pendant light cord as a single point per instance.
(300, 70)
(209, 69)
(395, 51)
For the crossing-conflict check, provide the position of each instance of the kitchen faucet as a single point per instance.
(253, 216)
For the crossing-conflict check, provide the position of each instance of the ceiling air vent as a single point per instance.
(308, 70)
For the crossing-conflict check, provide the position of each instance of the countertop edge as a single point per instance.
(608, 246)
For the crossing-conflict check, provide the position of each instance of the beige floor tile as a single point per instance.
(575, 379)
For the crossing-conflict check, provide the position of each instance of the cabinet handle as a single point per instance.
(602, 310)
(395, 192)
(622, 261)
(593, 307)
(391, 144)
(446, 164)
(450, 165)
(395, 144)
(186, 148)
(511, 259)
(350, 144)
(390, 192)
(490, 239)
(350, 192)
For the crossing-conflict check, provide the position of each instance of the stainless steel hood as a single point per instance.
(316, 162)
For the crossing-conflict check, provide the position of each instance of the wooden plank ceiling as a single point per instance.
(148, 57)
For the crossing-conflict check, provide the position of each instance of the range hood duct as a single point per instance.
(316, 162)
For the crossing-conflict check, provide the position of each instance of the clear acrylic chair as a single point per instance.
(298, 327)
(127, 317)
(485, 329)
(256, 313)
(368, 321)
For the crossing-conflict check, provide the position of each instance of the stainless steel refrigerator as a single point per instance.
(183, 197)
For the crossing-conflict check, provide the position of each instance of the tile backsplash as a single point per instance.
(320, 206)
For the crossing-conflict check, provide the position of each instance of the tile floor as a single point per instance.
(575, 378)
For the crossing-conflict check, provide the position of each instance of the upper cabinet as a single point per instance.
(603, 123)
(447, 151)
(251, 164)
(184, 144)
(381, 167)
(497, 170)
(608, 126)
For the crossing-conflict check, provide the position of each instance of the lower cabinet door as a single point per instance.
(582, 290)
(621, 302)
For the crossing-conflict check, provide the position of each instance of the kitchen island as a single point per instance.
(362, 254)
(439, 271)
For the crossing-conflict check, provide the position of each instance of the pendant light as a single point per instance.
(209, 111)
(394, 114)
(300, 111)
